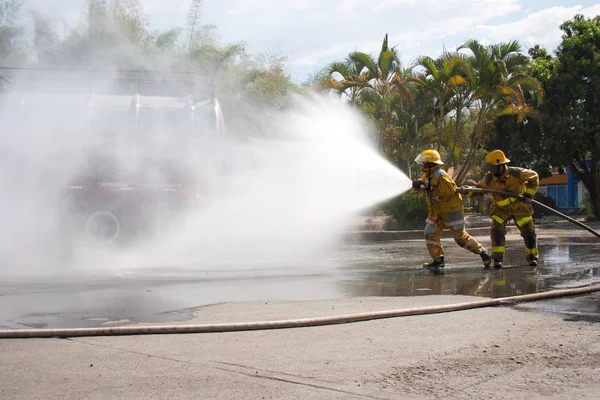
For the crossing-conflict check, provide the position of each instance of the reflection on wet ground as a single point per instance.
(383, 269)
(564, 263)
(570, 261)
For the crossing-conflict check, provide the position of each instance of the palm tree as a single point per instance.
(350, 72)
(500, 87)
(414, 121)
(375, 84)
(445, 80)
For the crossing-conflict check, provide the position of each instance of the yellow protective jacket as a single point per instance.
(515, 180)
(440, 191)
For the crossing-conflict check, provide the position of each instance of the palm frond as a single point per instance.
(364, 62)
(387, 64)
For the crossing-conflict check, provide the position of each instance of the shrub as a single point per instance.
(409, 210)
(588, 210)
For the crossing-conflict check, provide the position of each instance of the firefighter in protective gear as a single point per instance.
(516, 180)
(445, 209)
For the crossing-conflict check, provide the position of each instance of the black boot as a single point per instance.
(437, 263)
(487, 260)
(533, 260)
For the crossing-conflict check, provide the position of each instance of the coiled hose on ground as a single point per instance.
(282, 324)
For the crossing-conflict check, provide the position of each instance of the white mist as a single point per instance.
(289, 197)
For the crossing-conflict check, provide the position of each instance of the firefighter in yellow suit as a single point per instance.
(445, 209)
(516, 180)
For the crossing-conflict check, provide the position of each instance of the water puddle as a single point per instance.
(391, 270)
(563, 262)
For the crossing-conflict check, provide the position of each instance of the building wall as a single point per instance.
(567, 191)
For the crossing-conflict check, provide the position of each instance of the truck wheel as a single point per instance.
(102, 227)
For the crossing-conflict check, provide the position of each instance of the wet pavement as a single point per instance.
(383, 269)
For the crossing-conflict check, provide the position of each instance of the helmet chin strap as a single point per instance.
(500, 170)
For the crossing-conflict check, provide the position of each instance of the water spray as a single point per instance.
(521, 197)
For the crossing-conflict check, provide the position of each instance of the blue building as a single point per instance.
(566, 190)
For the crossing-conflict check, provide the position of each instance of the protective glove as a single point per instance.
(527, 198)
(416, 184)
(463, 189)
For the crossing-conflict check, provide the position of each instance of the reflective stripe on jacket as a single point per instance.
(515, 180)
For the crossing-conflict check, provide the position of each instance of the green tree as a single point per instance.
(353, 78)
(316, 81)
(193, 19)
(378, 85)
(526, 142)
(446, 81)
(46, 42)
(500, 87)
(572, 111)
(114, 34)
(11, 34)
(414, 121)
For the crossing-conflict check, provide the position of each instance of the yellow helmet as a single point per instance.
(496, 157)
(429, 156)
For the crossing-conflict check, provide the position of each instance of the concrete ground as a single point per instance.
(522, 351)
(500, 353)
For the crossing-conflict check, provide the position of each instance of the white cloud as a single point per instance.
(152, 6)
(314, 32)
(413, 37)
(541, 27)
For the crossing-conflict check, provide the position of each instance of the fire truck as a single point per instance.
(136, 150)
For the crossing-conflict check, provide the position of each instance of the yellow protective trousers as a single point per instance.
(455, 221)
(498, 234)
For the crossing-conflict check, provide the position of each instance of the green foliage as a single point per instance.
(409, 210)
(116, 34)
(588, 210)
(11, 34)
(524, 144)
(500, 87)
(378, 86)
(193, 19)
(462, 103)
(571, 113)
(45, 40)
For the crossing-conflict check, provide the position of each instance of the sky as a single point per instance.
(313, 33)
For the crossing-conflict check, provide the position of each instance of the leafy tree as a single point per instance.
(526, 142)
(501, 87)
(316, 80)
(193, 19)
(11, 34)
(378, 85)
(414, 120)
(445, 81)
(353, 78)
(572, 110)
(46, 42)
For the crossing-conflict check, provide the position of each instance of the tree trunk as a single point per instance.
(462, 173)
(441, 120)
(456, 135)
(475, 141)
(595, 199)
(589, 180)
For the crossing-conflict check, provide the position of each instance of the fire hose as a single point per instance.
(521, 197)
(286, 324)
(308, 322)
